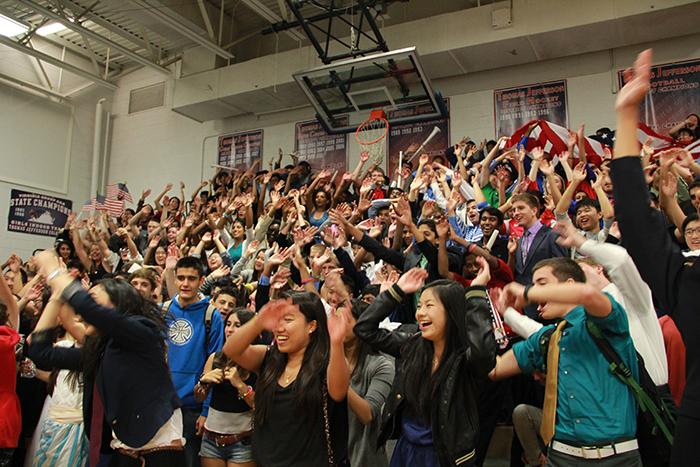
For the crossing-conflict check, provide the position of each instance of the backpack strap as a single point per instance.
(207, 326)
(618, 368)
(165, 308)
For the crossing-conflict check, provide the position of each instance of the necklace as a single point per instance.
(288, 376)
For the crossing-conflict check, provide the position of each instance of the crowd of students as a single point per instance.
(288, 318)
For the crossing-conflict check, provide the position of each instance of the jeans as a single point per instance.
(189, 432)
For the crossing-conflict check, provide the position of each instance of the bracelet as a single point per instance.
(248, 392)
(53, 274)
(308, 280)
(526, 292)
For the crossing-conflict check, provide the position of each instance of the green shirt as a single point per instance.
(491, 195)
(593, 406)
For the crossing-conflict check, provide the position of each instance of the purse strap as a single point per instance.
(326, 425)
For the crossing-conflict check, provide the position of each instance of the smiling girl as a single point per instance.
(301, 410)
(432, 407)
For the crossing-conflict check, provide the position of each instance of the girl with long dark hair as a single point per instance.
(432, 406)
(300, 401)
(227, 430)
(127, 384)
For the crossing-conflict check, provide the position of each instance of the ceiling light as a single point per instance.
(50, 28)
(10, 27)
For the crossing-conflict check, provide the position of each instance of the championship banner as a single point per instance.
(513, 107)
(321, 150)
(410, 136)
(240, 150)
(37, 214)
(675, 93)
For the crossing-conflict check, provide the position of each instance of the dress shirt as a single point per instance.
(593, 406)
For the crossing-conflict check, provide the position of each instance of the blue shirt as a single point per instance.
(593, 406)
(186, 345)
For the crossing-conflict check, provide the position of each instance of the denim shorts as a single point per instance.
(239, 452)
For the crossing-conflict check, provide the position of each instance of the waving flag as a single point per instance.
(694, 148)
(119, 191)
(658, 141)
(553, 138)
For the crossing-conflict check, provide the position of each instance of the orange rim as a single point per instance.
(375, 115)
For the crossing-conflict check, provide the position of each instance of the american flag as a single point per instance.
(99, 201)
(694, 149)
(119, 191)
(552, 138)
(89, 205)
(114, 207)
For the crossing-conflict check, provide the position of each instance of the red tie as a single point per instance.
(98, 413)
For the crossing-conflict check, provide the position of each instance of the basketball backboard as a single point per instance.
(353, 88)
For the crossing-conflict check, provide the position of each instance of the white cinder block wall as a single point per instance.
(79, 172)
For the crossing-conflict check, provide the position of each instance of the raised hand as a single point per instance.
(338, 325)
(598, 182)
(145, 193)
(168, 187)
(545, 167)
(403, 212)
(424, 158)
(364, 156)
(443, 228)
(569, 237)
(154, 242)
(512, 244)
(579, 172)
(484, 275)
(280, 278)
(270, 315)
(412, 280)
(514, 294)
(252, 248)
(668, 183)
(206, 238)
(537, 154)
(280, 256)
(637, 83)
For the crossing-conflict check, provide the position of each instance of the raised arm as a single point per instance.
(158, 199)
(367, 327)
(658, 259)
(10, 303)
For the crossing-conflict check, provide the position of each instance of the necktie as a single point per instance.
(98, 414)
(525, 245)
(549, 412)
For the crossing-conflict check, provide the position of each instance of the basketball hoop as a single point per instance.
(371, 136)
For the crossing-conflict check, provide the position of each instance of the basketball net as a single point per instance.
(371, 136)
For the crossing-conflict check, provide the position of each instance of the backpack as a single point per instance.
(207, 321)
(656, 419)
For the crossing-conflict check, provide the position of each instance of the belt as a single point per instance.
(595, 452)
(138, 454)
(225, 440)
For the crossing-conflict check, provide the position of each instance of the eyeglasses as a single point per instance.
(691, 232)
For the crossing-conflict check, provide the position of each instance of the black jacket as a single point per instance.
(454, 416)
(673, 279)
(133, 378)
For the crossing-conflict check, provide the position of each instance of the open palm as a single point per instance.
(636, 82)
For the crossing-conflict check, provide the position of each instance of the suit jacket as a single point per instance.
(543, 246)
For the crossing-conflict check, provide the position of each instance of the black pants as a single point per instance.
(194, 442)
(685, 442)
(154, 459)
